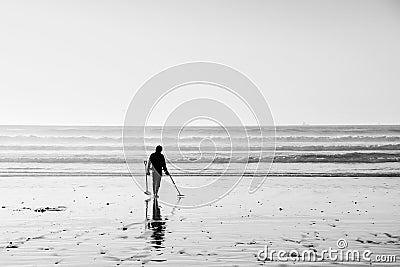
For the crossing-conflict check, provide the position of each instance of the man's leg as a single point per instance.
(156, 182)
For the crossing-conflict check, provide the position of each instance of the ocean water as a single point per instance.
(357, 151)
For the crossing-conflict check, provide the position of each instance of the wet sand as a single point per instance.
(81, 221)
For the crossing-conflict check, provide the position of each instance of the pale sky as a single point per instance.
(80, 62)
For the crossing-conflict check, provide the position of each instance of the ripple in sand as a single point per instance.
(59, 208)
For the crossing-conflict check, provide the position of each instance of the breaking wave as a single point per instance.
(354, 157)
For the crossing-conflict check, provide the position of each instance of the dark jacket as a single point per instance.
(158, 162)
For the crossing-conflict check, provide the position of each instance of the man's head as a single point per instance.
(158, 149)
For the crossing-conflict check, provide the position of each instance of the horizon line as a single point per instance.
(250, 125)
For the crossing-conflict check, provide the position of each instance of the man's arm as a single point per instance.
(165, 166)
(148, 166)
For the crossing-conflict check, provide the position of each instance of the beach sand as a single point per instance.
(101, 221)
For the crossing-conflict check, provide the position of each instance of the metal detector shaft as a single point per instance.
(179, 193)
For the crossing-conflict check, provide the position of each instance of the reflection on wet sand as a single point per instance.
(156, 225)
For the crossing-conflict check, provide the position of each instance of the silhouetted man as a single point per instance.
(157, 162)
